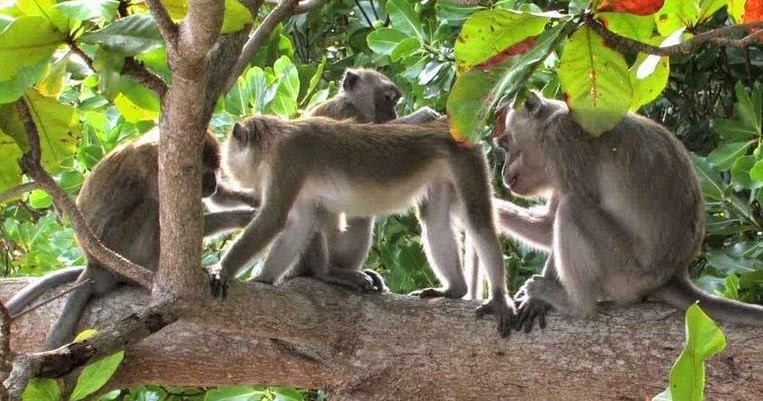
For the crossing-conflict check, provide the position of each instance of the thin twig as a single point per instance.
(30, 165)
(283, 10)
(167, 28)
(49, 300)
(18, 190)
(716, 36)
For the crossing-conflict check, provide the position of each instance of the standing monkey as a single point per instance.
(119, 201)
(305, 168)
(367, 96)
(624, 219)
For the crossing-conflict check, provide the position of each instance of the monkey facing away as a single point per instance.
(306, 167)
(366, 96)
(624, 219)
(119, 201)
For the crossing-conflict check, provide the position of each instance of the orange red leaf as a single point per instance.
(638, 7)
(753, 12)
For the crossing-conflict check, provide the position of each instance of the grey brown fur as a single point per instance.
(119, 201)
(305, 167)
(624, 220)
(367, 96)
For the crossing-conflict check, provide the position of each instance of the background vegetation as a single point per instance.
(712, 100)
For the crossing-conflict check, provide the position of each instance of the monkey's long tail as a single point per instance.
(46, 282)
(681, 293)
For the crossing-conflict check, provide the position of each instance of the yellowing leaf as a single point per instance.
(26, 41)
(236, 15)
(131, 111)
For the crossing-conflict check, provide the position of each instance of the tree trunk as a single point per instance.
(385, 347)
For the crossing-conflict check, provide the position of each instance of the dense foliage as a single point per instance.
(65, 58)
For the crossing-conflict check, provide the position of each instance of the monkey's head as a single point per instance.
(372, 93)
(527, 170)
(210, 165)
(246, 148)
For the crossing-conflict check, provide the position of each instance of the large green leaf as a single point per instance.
(82, 10)
(636, 27)
(58, 127)
(746, 121)
(489, 33)
(46, 9)
(477, 91)
(404, 18)
(676, 14)
(709, 178)
(15, 87)
(10, 172)
(95, 375)
(130, 35)
(384, 40)
(41, 390)
(724, 156)
(648, 88)
(595, 81)
(405, 48)
(703, 340)
(25, 42)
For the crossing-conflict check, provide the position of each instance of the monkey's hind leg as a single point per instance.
(348, 249)
(440, 243)
(322, 270)
(289, 244)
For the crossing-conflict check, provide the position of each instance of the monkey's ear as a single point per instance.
(534, 104)
(351, 78)
(240, 133)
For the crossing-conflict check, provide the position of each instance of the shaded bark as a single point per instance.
(381, 347)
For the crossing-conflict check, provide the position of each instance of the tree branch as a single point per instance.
(5, 351)
(716, 36)
(283, 10)
(381, 346)
(167, 28)
(30, 165)
(18, 190)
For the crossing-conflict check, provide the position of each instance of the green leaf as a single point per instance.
(477, 91)
(648, 88)
(82, 10)
(384, 40)
(404, 18)
(54, 81)
(736, 9)
(46, 9)
(676, 14)
(731, 287)
(25, 42)
(405, 48)
(595, 81)
(731, 264)
(241, 393)
(10, 153)
(95, 375)
(703, 340)
(15, 87)
(136, 102)
(58, 127)
(749, 108)
(287, 394)
(108, 64)
(740, 172)
(235, 17)
(709, 179)
(724, 156)
(131, 35)
(39, 199)
(288, 76)
(636, 27)
(756, 173)
(41, 390)
(708, 7)
(455, 14)
(489, 33)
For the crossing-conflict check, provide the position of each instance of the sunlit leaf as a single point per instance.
(384, 40)
(676, 14)
(84, 335)
(595, 81)
(492, 32)
(638, 7)
(648, 88)
(753, 11)
(39, 199)
(95, 375)
(41, 390)
(45, 9)
(651, 62)
(708, 7)
(89, 9)
(735, 9)
(631, 26)
(10, 173)
(53, 83)
(26, 41)
(235, 17)
(25, 78)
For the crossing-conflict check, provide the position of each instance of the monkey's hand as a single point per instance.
(218, 281)
(531, 308)
(502, 307)
(379, 284)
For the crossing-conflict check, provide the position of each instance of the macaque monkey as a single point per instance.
(119, 201)
(624, 220)
(366, 96)
(305, 168)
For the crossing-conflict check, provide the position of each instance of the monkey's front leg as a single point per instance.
(218, 222)
(526, 224)
(420, 116)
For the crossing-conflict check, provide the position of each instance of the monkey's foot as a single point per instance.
(435, 293)
(379, 284)
(502, 307)
(354, 279)
(218, 281)
(530, 310)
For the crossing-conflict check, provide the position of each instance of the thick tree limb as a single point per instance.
(717, 36)
(5, 350)
(381, 347)
(30, 165)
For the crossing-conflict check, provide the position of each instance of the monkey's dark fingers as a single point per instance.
(484, 310)
(379, 284)
(505, 324)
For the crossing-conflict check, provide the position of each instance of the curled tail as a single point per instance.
(681, 293)
(32, 291)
